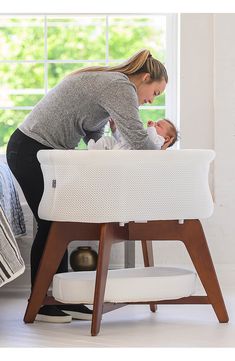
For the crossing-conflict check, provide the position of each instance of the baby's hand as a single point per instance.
(150, 123)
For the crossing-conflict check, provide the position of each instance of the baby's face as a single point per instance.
(162, 127)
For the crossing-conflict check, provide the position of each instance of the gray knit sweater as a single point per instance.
(80, 106)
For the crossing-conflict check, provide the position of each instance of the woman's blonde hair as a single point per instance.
(141, 62)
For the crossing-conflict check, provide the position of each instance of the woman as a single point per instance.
(79, 107)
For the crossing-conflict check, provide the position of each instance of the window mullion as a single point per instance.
(45, 56)
(107, 40)
(171, 65)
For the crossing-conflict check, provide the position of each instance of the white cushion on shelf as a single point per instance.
(126, 285)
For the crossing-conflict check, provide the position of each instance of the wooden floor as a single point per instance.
(130, 326)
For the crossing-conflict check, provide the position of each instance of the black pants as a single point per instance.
(23, 162)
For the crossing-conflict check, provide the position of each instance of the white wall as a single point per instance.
(208, 114)
(223, 222)
(196, 81)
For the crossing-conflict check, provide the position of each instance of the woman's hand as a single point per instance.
(167, 143)
(112, 125)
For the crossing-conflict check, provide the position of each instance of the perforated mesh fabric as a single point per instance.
(128, 185)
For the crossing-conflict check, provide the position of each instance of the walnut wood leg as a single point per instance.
(147, 248)
(54, 250)
(198, 250)
(106, 239)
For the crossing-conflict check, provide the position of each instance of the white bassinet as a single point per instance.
(122, 186)
(121, 195)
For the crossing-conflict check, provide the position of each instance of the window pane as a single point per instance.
(21, 84)
(151, 114)
(158, 101)
(21, 38)
(129, 34)
(81, 37)
(81, 145)
(20, 100)
(56, 72)
(9, 120)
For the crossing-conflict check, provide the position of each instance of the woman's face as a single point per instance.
(147, 91)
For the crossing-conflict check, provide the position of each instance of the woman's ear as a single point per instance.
(146, 77)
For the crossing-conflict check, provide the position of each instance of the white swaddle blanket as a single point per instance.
(116, 141)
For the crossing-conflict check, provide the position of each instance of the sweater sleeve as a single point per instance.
(120, 100)
(96, 135)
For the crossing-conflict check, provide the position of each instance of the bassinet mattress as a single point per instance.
(122, 186)
(126, 285)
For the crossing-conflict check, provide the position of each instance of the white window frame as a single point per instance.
(172, 94)
(172, 66)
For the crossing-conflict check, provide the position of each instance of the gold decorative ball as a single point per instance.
(83, 258)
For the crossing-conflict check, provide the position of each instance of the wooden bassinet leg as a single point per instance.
(196, 244)
(147, 248)
(55, 248)
(107, 235)
(191, 233)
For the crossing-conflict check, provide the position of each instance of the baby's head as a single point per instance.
(165, 128)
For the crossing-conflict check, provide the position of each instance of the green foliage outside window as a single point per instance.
(72, 38)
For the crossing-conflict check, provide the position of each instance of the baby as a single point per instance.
(165, 131)
(160, 132)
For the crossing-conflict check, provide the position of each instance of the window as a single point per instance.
(38, 51)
